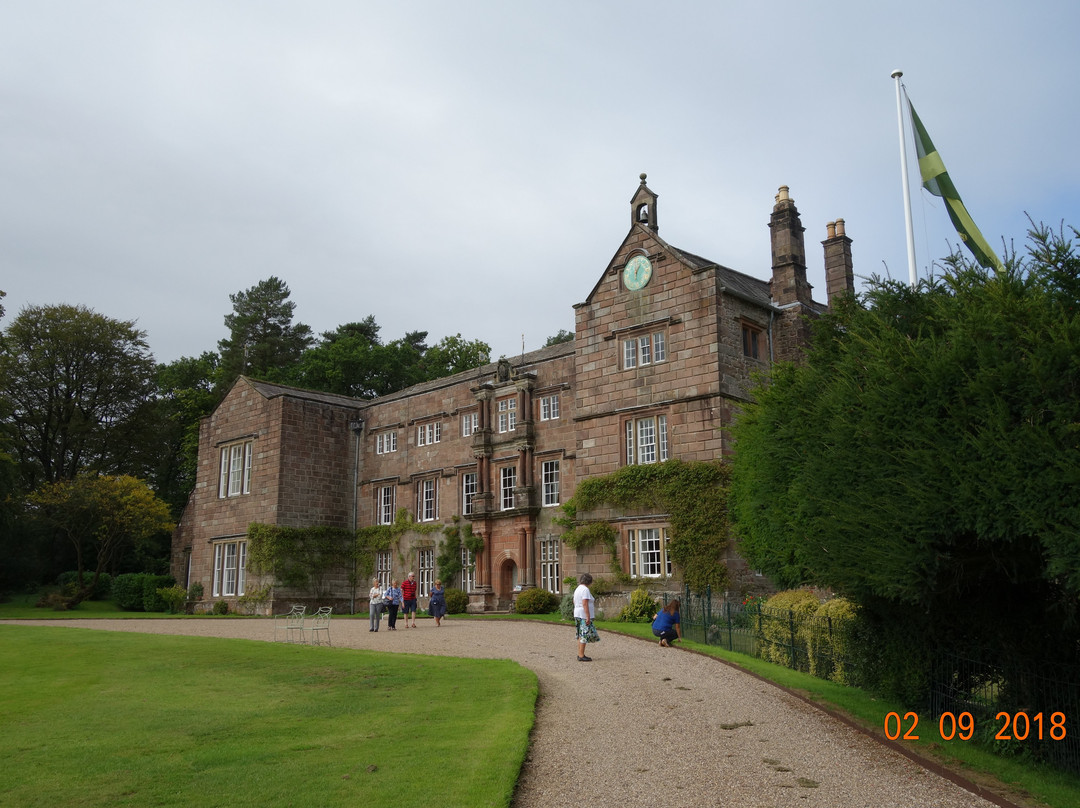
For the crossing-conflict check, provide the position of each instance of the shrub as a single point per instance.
(827, 639)
(127, 591)
(221, 607)
(536, 601)
(457, 602)
(152, 601)
(566, 607)
(56, 601)
(195, 591)
(69, 584)
(173, 597)
(781, 617)
(640, 609)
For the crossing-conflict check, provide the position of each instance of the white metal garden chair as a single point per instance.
(291, 623)
(320, 622)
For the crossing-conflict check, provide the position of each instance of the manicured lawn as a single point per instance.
(96, 718)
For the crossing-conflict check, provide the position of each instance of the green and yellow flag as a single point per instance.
(936, 180)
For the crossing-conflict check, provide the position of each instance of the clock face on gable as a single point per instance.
(637, 273)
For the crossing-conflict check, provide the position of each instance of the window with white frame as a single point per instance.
(470, 422)
(549, 565)
(384, 504)
(385, 442)
(645, 349)
(427, 506)
(425, 571)
(235, 478)
(427, 434)
(646, 440)
(649, 553)
(507, 410)
(230, 568)
(468, 491)
(507, 482)
(549, 407)
(549, 476)
(468, 567)
(384, 567)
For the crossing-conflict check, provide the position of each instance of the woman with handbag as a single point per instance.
(584, 612)
(375, 605)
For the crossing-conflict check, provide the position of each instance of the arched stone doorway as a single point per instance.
(506, 583)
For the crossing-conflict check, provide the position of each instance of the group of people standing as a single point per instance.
(666, 623)
(402, 598)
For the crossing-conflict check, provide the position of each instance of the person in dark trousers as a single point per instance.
(666, 625)
(408, 597)
(393, 603)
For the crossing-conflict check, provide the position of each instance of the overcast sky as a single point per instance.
(467, 167)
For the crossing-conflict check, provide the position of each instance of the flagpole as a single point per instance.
(913, 275)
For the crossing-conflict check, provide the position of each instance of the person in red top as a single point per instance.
(408, 595)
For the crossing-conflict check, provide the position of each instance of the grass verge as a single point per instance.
(116, 719)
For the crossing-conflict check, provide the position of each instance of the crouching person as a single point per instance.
(666, 624)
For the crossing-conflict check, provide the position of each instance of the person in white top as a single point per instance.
(375, 599)
(584, 612)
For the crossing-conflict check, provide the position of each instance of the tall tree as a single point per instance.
(76, 388)
(352, 361)
(263, 341)
(923, 459)
(452, 355)
(185, 394)
(343, 362)
(561, 337)
(100, 517)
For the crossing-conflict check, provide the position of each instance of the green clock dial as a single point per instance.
(636, 273)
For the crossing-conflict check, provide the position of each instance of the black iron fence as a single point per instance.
(1014, 709)
(816, 645)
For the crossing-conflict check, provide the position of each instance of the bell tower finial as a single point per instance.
(643, 207)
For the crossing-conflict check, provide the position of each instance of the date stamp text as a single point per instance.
(1010, 726)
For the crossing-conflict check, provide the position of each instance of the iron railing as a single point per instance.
(1015, 709)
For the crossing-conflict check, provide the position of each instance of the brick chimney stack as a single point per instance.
(839, 276)
(788, 283)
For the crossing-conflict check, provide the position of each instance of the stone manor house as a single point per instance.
(664, 347)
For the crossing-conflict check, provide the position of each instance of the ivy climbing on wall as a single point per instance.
(694, 495)
(458, 535)
(303, 557)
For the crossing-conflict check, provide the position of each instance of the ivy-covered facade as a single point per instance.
(468, 478)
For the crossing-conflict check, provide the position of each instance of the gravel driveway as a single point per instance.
(646, 726)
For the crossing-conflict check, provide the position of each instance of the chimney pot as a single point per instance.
(830, 230)
(839, 227)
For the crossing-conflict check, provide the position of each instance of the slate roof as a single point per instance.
(753, 289)
(521, 362)
(270, 390)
